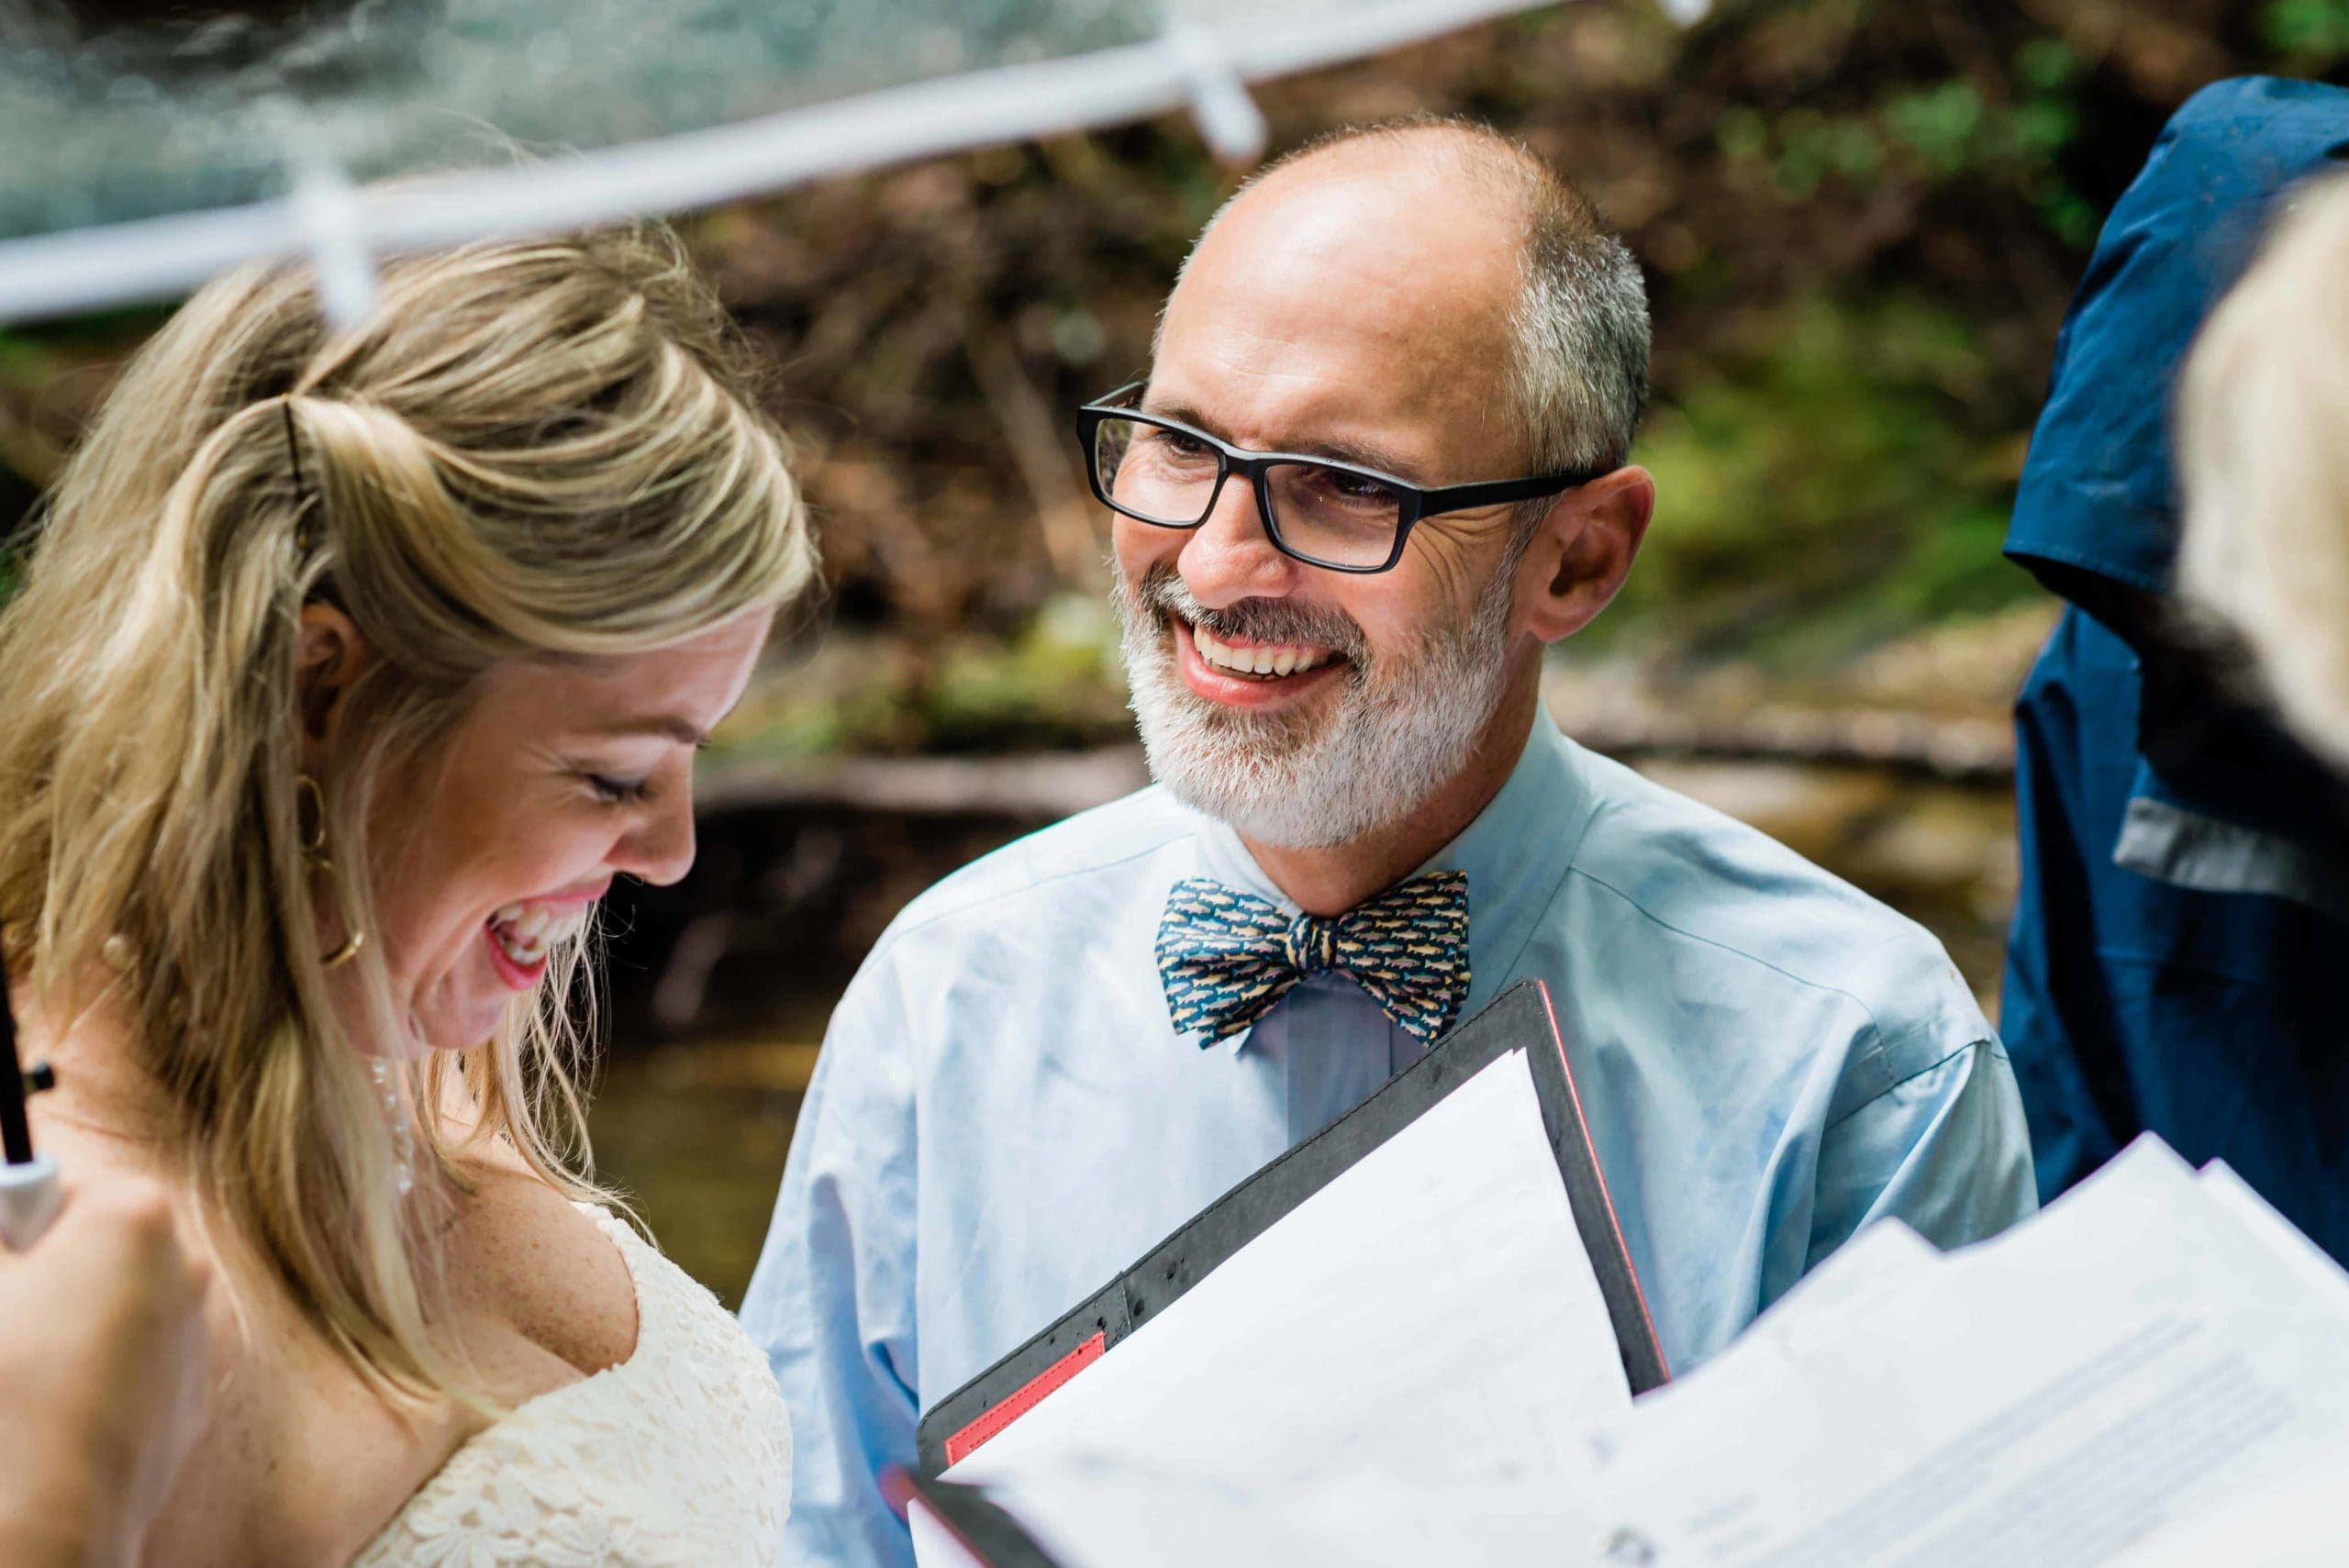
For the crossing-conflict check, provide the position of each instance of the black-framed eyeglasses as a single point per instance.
(1340, 516)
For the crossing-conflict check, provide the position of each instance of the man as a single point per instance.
(1043, 1068)
(2174, 965)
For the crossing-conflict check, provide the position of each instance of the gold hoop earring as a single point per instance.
(314, 837)
(345, 954)
(314, 859)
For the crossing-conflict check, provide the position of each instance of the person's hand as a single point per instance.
(102, 1376)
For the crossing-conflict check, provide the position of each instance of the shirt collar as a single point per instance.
(1515, 852)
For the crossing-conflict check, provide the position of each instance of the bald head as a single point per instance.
(1498, 172)
(1467, 253)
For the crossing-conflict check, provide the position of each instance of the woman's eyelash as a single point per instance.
(613, 790)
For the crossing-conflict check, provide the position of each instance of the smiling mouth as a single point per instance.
(1260, 661)
(524, 933)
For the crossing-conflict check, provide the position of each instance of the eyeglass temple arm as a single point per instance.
(1491, 493)
(1121, 400)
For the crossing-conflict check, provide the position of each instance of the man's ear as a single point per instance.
(328, 655)
(1582, 552)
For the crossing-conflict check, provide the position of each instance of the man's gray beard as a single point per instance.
(1402, 727)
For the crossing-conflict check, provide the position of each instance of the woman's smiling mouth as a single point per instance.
(521, 935)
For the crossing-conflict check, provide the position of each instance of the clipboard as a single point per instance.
(983, 1532)
(1520, 1018)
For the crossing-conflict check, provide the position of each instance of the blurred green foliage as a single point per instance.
(1945, 131)
(2314, 30)
(1017, 691)
(1817, 489)
(1053, 684)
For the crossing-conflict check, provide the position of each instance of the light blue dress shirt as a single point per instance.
(1003, 1119)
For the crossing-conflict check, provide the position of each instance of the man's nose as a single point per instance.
(658, 847)
(1230, 556)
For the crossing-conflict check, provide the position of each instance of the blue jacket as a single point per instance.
(2177, 956)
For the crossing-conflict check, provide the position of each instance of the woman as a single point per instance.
(2263, 462)
(349, 670)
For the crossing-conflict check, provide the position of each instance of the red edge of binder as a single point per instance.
(1029, 1394)
(1647, 1320)
(897, 1490)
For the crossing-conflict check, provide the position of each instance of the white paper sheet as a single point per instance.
(2130, 1359)
(2299, 1521)
(935, 1543)
(2260, 1221)
(1422, 1340)
(1106, 1512)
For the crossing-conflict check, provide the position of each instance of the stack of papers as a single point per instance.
(1430, 1323)
(2153, 1346)
(2152, 1374)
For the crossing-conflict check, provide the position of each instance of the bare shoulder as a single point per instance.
(520, 1257)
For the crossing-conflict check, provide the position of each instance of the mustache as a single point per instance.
(1163, 592)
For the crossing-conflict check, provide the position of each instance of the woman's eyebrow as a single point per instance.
(668, 725)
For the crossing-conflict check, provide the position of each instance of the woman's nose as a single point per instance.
(659, 848)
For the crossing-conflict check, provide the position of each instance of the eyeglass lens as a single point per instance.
(1168, 477)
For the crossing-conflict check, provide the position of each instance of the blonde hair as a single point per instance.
(2264, 465)
(528, 449)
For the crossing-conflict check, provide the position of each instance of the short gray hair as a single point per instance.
(1577, 380)
(1579, 375)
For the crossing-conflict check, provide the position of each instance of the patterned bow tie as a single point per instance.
(1225, 956)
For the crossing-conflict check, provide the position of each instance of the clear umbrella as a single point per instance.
(145, 155)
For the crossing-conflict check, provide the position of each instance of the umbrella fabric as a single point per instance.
(173, 117)
(145, 156)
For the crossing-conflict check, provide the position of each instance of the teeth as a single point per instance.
(1274, 662)
(527, 933)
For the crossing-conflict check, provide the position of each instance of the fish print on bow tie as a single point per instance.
(1226, 956)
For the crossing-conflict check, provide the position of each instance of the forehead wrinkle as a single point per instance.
(1331, 408)
(1257, 318)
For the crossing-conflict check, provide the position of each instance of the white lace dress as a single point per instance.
(679, 1455)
